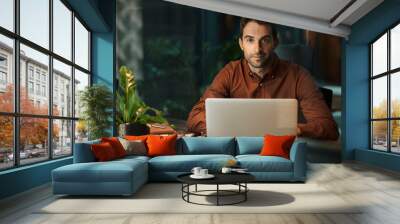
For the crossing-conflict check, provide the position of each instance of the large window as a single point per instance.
(385, 92)
(44, 64)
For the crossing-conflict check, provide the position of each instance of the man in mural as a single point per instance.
(261, 74)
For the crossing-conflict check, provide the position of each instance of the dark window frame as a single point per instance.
(16, 115)
(388, 74)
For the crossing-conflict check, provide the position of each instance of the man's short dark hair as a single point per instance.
(244, 21)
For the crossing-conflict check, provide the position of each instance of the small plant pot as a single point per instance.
(133, 129)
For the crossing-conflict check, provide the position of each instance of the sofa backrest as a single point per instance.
(249, 145)
(191, 146)
(206, 145)
(83, 152)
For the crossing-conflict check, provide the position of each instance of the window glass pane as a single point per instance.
(379, 135)
(395, 94)
(81, 45)
(62, 29)
(81, 81)
(6, 74)
(34, 97)
(33, 139)
(395, 47)
(6, 142)
(62, 138)
(35, 21)
(62, 89)
(379, 55)
(81, 131)
(379, 97)
(7, 14)
(395, 136)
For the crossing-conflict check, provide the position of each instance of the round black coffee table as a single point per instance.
(238, 179)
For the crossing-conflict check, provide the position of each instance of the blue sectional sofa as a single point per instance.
(125, 176)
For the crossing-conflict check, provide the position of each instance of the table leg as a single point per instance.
(188, 189)
(196, 188)
(182, 188)
(217, 194)
(245, 193)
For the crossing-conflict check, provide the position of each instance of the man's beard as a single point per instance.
(261, 62)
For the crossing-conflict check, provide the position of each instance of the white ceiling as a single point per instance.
(325, 16)
(318, 9)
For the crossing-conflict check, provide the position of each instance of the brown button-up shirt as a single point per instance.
(283, 80)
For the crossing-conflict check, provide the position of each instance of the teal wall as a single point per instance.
(103, 51)
(24, 178)
(356, 85)
(100, 17)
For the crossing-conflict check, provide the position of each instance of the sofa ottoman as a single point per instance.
(119, 177)
(86, 177)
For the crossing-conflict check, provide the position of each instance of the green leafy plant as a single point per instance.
(96, 102)
(130, 108)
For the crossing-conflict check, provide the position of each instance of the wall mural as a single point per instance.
(176, 51)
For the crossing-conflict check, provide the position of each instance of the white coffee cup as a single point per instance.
(196, 170)
(226, 170)
(203, 172)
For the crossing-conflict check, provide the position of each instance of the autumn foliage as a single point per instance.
(380, 127)
(33, 130)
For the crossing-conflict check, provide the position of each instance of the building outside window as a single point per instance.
(3, 71)
(3, 78)
(30, 72)
(43, 90)
(37, 75)
(38, 89)
(30, 87)
(3, 61)
(43, 77)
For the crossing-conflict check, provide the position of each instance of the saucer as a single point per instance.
(208, 176)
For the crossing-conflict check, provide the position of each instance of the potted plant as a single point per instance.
(96, 104)
(133, 114)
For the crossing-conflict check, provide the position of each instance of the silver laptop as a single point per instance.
(251, 117)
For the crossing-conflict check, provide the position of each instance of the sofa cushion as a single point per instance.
(277, 145)
(116, 145)
(206, 145)
(160, 145)
(103, 151)
(249, 145)
(257, 163)
(136, 137)
(134, 147)
(132, 158)
(111, 171)
(185, 163)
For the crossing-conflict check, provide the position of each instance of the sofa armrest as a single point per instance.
(83, 152)
(298, 155)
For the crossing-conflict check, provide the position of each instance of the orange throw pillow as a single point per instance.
(135, 138)
(103, 151)
(159, 145)
(116, 145)
(277, 145)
